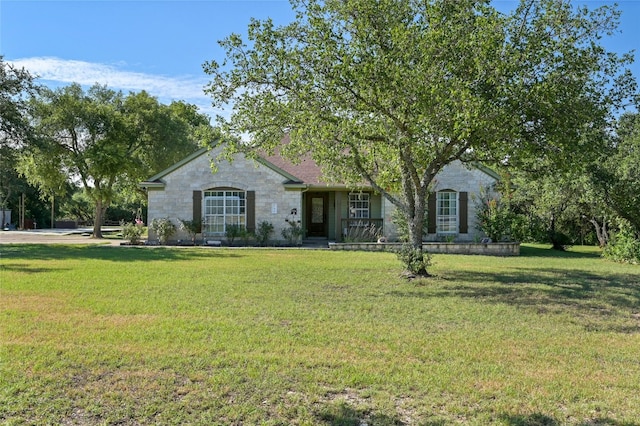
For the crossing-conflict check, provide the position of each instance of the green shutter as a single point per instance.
(431, 213)
(464, 212)
(251, 211)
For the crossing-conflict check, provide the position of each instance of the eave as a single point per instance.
(149, 185)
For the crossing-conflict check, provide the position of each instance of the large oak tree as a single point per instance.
(16, 86)
(104, 141)
(390, 91)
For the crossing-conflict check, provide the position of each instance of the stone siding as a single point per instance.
(272, 202)
(456, 176)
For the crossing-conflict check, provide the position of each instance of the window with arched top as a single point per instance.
(447, 212)
(223, 208)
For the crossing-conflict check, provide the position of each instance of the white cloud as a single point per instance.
(165, 88)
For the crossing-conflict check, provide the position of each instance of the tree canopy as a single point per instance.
(104, 141)
(617, 173)
(16, 85)
(388, 92)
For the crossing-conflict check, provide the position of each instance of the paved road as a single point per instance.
(53, 236)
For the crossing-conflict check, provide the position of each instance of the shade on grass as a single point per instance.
(97, 335)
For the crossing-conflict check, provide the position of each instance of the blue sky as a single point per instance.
(160, 45)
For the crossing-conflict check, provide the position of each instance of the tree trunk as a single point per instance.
(554, 237)
(601, 231)
(98, 219)
(416, 224)
(4, 206)
(414, 208)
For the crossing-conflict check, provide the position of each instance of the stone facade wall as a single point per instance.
(456, 176)
(272, 202)
(459, 178)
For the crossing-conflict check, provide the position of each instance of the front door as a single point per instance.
(317, 213)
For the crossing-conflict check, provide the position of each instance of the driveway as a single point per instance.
(54, 236)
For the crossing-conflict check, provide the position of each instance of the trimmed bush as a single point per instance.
(191, 227)
(132, 232)
(263, 233)
(293, 233)
(624, 246)
(415, 260)
(232, 232)
(163, 228)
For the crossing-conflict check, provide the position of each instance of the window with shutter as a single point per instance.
(222, 209)
(447, 212)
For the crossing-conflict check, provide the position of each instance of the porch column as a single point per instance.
(338, 207)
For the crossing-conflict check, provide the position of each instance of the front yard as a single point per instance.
(163, 335)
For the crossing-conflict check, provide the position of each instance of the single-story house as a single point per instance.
(246, 192)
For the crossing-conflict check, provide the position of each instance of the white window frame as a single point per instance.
(222, 208)
(447, 209)
(359, 205)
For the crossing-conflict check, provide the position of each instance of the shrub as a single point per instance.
(414, 259)
(263, 232)
(191, 227)
(367, 233)
(493, 216)
(293, 233)
(624, 246)
(163, 228)
(448, 238)
(132, 231)
(232, 232)
(246, 236)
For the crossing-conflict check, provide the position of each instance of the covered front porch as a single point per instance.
(342, 215)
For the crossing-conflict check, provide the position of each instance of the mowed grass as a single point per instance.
(134, 335)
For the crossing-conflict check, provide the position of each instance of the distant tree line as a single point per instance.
(596, 202)
(87, 150)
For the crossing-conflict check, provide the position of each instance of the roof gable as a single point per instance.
(177, 165)
(304, 172)
(277, 164)
(486, 170)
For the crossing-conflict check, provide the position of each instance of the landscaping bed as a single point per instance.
(488, 249)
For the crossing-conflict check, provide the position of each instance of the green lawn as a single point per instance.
(139, 335)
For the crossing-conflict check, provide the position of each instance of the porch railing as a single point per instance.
(362, 229)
